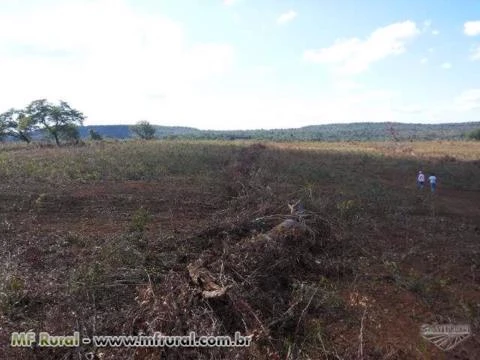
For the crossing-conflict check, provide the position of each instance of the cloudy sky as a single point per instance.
(237, 64)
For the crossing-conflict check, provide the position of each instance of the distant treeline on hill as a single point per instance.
(328, 132)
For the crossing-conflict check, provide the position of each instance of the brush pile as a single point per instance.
(257, 285)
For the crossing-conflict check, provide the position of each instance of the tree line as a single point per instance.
(62, 123)
(59, 122)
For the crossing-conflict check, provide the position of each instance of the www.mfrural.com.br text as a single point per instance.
(44, 339)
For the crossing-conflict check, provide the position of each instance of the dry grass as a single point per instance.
(461, 150)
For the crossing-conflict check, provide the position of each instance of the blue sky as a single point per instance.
(237, 64)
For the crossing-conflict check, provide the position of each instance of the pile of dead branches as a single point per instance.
(249, 286)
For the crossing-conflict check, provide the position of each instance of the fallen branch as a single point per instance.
(202, 277)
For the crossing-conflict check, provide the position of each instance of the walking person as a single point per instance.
(420, 180)
(433, 182)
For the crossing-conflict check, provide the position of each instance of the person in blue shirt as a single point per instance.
(433, 182)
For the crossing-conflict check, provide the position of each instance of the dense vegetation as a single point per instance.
(329, 132)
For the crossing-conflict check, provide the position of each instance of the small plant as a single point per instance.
(12, 290)
(140, 220)
(349, 210)
(40, 201)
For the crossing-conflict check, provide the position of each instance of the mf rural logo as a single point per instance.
(447, 336)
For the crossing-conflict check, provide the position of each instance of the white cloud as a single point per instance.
(286, 17)
(108, 69)
(468, 100)
(442, 114)
(142, 66)
(230, 2)
(475, 53)
(427, 24)
(431, 50)
(347, 85)
(275, 111)
(423, 60)
(409, 109)
(472, 28)
(446, 66)
(207, 59)
(354, 55)
(263, 70)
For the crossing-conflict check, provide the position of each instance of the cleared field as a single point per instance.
(97, 239)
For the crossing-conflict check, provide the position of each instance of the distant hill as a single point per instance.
(328, 132)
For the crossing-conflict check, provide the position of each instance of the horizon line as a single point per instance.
(301, 127)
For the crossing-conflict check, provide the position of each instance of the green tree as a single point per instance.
(17, 124)
(70, 133)
(95, 135)
(59, 121)
(144, 130)
(474, 135)
(3, 128)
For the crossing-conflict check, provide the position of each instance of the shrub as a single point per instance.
(474, 135)
(144, 130)
(95, 135)
(140, 220)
